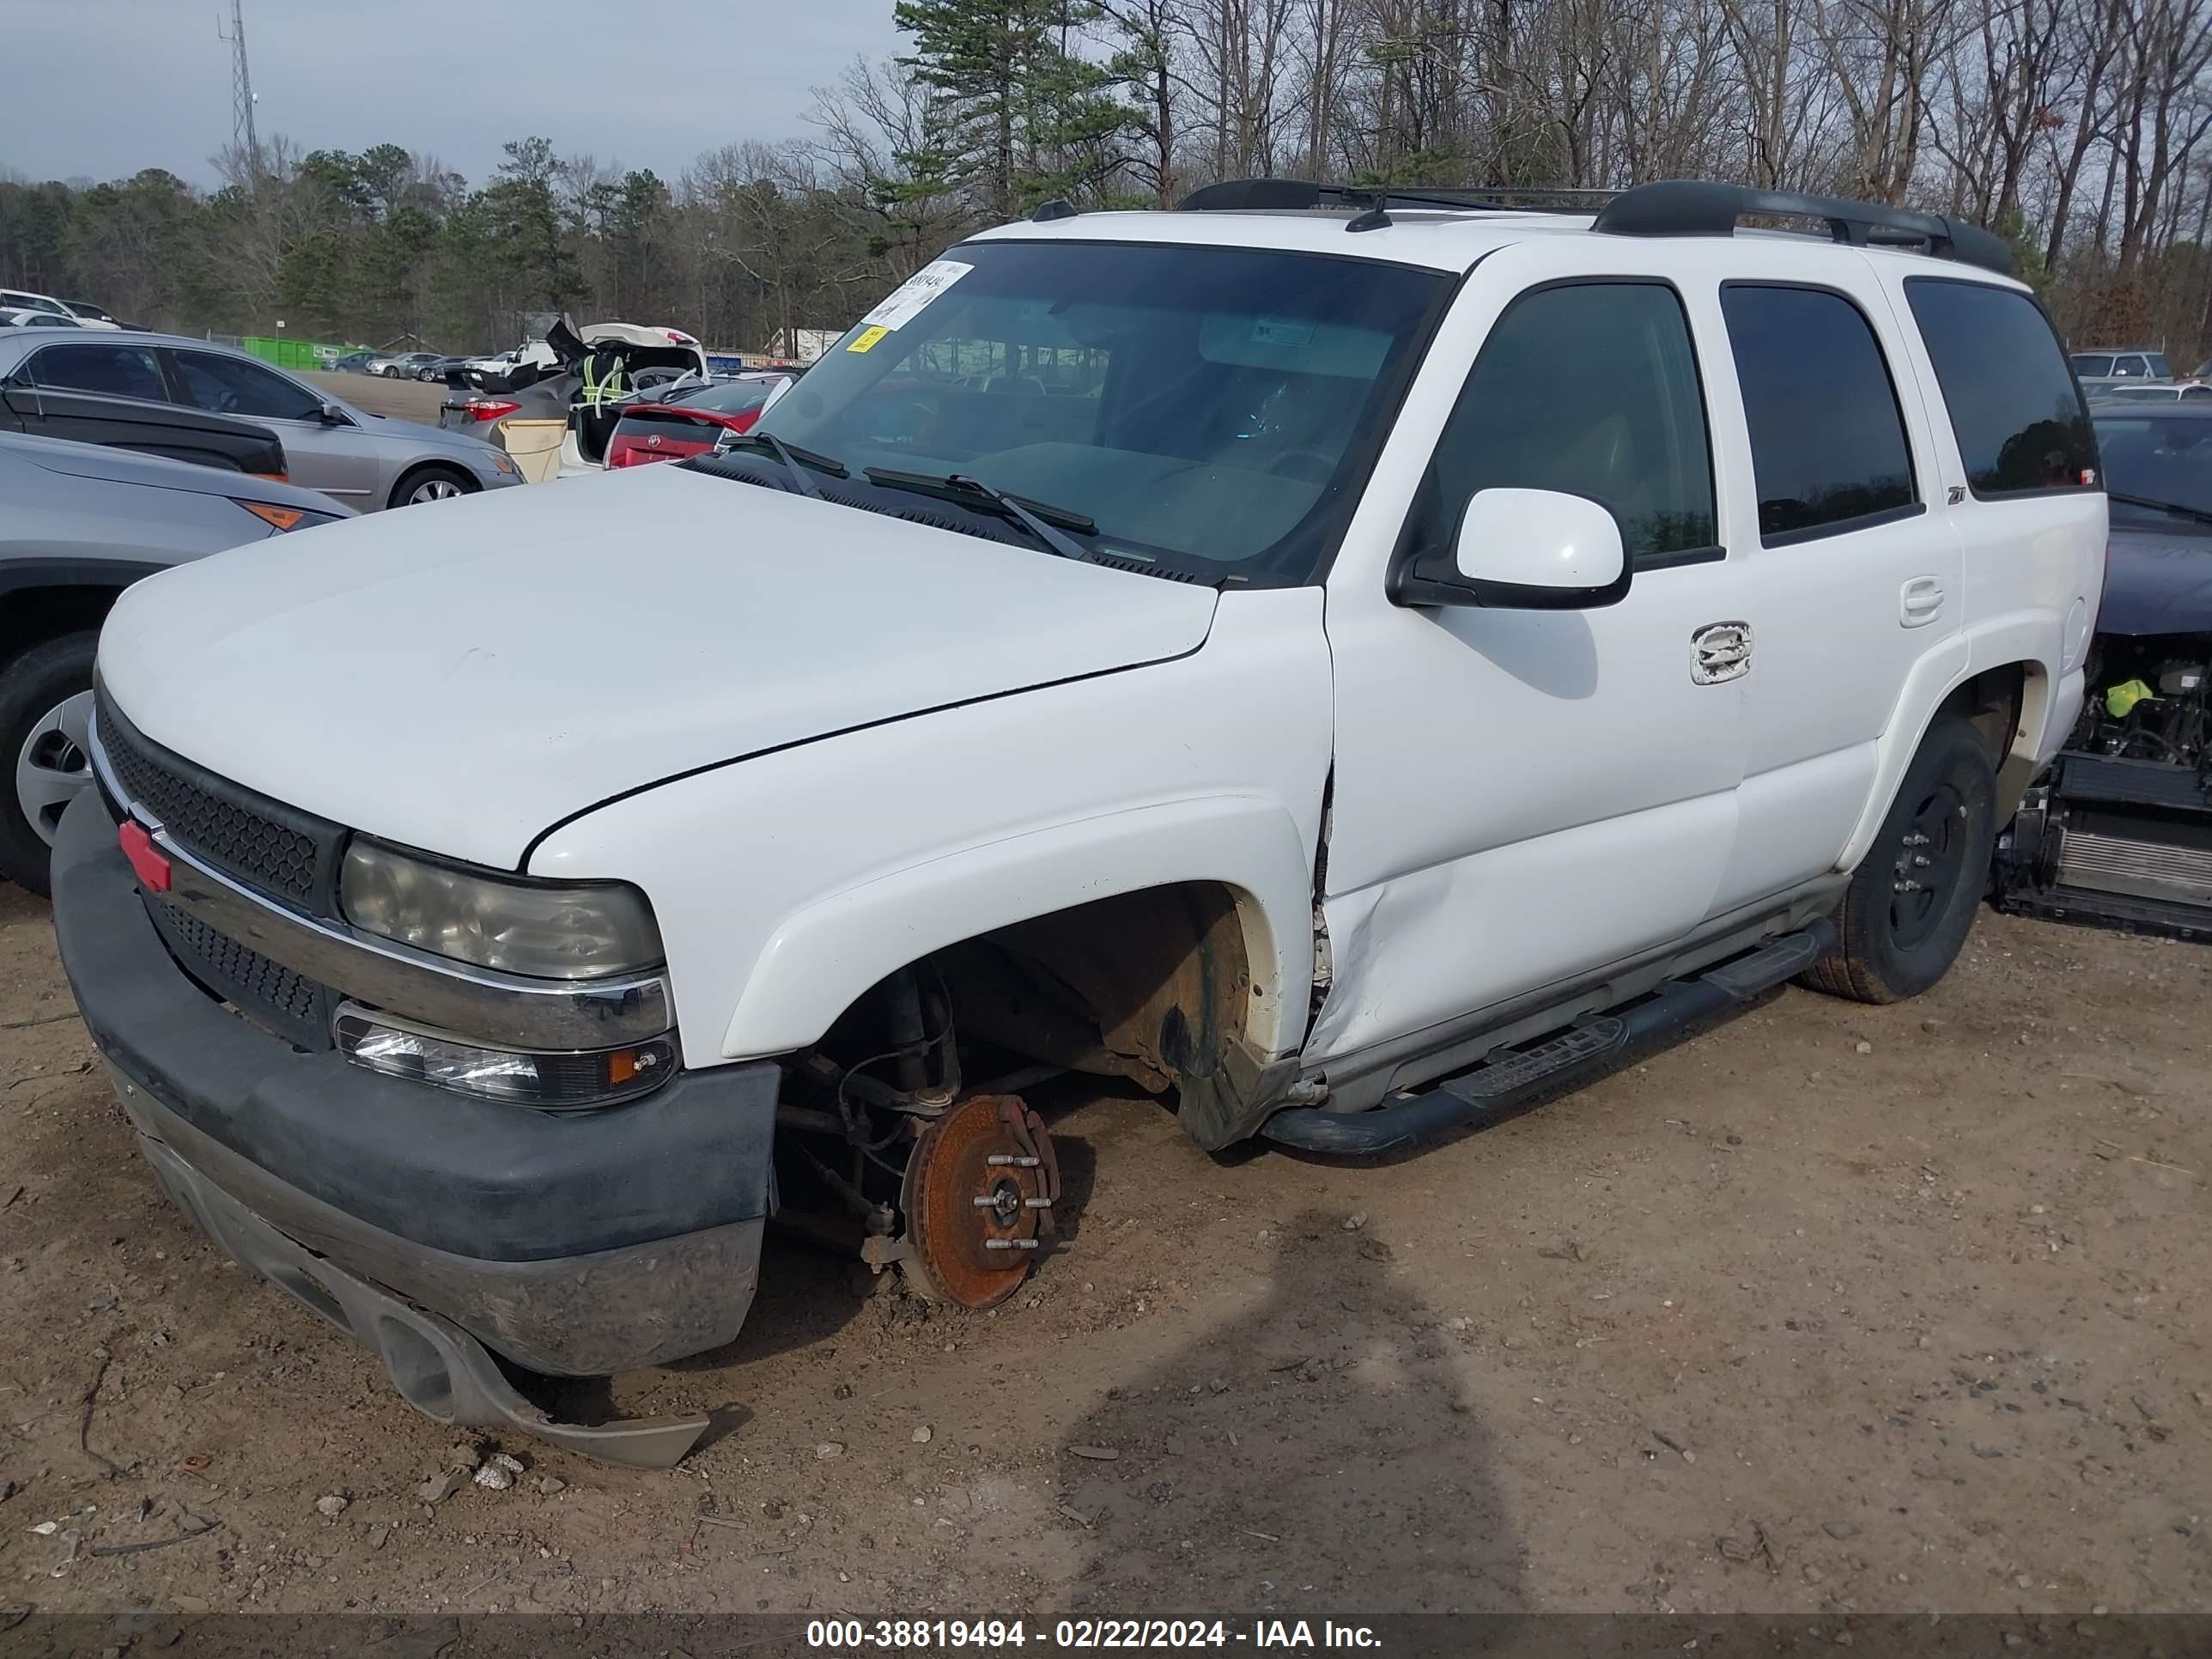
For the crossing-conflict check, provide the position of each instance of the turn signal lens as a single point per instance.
(282, 518)
(549, 1082)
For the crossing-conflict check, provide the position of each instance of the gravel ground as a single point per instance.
(1834, 1309)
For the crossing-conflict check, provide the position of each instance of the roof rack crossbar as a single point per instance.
(1684, 207)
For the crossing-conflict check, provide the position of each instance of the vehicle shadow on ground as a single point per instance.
(1313, 1455)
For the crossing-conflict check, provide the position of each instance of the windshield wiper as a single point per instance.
(795, 461)
(1035, 517)
(2199, 514)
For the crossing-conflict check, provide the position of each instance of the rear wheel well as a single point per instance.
(2001, 704)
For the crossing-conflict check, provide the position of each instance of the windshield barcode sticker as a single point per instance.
(907, 299)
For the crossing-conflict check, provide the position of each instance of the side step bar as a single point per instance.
(1588, 1046)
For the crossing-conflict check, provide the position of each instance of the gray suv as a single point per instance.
(78, 524)
(366, 461)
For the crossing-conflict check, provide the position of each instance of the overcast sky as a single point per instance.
(644, 82)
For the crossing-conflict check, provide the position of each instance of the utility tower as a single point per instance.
(242, 87)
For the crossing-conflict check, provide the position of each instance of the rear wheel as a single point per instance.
(45, 703)
(431, 483)
(1911, 903)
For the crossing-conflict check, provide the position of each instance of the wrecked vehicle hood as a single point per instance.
(459, 678)
(2157, 582)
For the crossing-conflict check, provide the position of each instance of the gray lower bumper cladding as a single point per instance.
(434, 1230)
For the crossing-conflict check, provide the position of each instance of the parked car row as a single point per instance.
(19, 308)
(133, 390)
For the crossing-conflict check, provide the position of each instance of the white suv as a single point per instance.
(1345, 672)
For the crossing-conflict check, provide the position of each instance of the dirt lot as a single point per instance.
(406, 400)
(1833, 1309)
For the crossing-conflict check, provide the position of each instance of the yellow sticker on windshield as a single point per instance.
(867, 338)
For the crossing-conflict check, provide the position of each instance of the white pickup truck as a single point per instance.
(1344, 663)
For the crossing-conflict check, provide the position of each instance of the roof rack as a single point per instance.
(1293, 194)
(1680, 207)
(1684, 207)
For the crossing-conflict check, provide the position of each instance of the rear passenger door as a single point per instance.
(1854, 568)
(2019, 462)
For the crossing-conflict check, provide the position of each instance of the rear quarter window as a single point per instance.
(2013, 403)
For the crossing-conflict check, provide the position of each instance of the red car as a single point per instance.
(689, 422)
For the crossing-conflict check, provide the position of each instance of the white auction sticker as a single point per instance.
(907, 299)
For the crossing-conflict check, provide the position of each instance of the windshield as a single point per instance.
(1210, 409)
(2156, 458)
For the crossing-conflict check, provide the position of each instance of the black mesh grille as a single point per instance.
(261, 842)
(295, 1008)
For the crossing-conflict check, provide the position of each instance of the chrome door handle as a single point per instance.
(1719, 653)
(1920, 601)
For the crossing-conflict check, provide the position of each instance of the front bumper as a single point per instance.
(578, 1245)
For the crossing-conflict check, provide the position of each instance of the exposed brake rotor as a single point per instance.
(978, 1197)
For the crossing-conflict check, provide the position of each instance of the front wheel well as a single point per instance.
(1155, 986)
(32, 616)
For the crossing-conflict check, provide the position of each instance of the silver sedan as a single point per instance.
(367, 461)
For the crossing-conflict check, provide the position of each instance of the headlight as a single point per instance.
(545, 930)
(501, 463)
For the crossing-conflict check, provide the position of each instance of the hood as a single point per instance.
(2157, 582)
(460, 680)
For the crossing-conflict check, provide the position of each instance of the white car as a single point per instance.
(16, 299)
(1344, 665)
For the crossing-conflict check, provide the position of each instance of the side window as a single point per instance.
(228, 386)
(2015, 411)
(1829, 450)
(2090, 366)
(1590, 388)
(120, 371)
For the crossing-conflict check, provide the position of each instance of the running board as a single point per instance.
(1583, 1048)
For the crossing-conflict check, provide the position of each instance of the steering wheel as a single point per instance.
(1306, 465)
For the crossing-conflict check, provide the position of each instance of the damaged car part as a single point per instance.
(2118, 832)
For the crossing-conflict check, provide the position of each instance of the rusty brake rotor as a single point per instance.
(978, 1197)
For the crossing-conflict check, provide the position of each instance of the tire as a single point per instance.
(1912, 900)
(44, 697)
(431, 483)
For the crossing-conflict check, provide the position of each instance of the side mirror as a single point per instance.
(331, 415)
(1523, 549)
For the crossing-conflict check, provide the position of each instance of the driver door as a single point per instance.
(1524, 797)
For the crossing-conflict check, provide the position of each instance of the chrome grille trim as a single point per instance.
(495, 1008)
